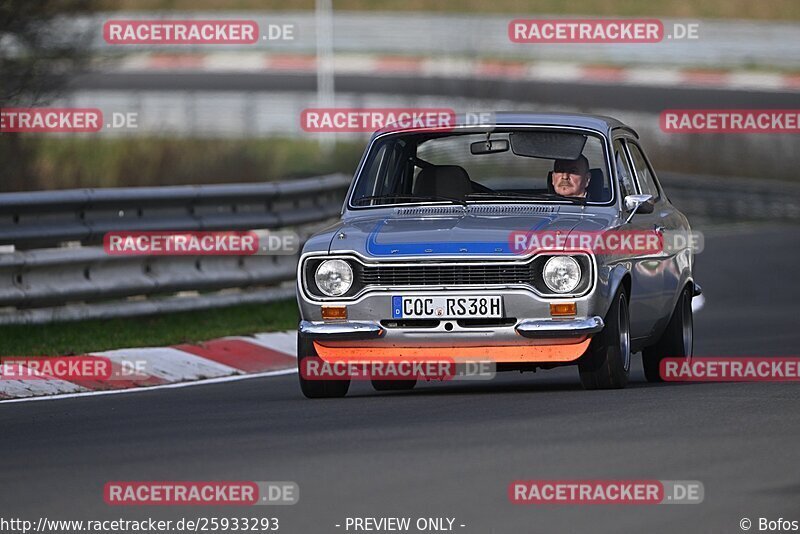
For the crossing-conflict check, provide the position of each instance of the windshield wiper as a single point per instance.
(434, 198)
(528, 196)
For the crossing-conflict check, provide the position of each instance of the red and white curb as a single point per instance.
(249, 62)
(219, 360)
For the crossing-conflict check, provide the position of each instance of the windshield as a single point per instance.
(507, 166)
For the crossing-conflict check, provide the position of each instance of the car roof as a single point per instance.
(518, 118)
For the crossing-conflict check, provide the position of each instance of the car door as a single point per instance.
(670, 220)
(647, 280)
(660, 269)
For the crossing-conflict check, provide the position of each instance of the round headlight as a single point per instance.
(334, 277)
(561, 274)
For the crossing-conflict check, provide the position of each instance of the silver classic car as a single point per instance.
(530, 241)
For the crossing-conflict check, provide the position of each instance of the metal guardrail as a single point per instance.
(80, 281)
(49, 218)
(732, 199)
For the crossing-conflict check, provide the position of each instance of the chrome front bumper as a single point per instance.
(559, 327)
(529, 328)
(343, 331)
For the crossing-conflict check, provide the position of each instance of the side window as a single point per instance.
(647, 182)
(390, 172)
(623, 170)
(388, 164)
(390, 177)
(375, 166)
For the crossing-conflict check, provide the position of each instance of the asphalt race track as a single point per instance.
(452, 450)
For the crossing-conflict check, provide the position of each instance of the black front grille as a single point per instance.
(447, 275)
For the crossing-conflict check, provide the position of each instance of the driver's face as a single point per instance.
(570, 178)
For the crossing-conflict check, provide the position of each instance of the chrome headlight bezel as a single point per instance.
(564, 262)
(338, 271)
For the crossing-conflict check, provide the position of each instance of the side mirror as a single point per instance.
(638, 204)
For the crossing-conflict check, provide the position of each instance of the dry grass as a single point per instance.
(41, 162)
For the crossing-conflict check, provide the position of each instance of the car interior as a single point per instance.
(452, 181)
(425, 168)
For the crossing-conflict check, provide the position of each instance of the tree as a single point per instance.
(42, 44)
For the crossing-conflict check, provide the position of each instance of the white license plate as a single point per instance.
(446, 307)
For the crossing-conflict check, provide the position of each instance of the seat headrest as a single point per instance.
(444, 180)
(596, 190)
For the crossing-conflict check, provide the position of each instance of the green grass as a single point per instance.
(34, 163)
(712, 9)
(167, 329)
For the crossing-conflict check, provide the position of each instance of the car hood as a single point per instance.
(417, 233)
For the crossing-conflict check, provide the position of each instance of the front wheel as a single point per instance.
(677, 341)
(607, 363)
(316, 389)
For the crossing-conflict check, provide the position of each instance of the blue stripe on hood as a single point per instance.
(454, 247)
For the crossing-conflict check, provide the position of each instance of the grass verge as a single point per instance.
(167, 329)
(35, 163)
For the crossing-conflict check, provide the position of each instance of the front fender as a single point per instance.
(611, 278)
(684, 262)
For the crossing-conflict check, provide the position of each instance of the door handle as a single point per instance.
(659, 229)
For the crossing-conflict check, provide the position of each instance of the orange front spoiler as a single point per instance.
(499, 354)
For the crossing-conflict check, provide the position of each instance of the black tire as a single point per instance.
(316, 389)
(393, 385)
(607, 363)
(677, 341)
